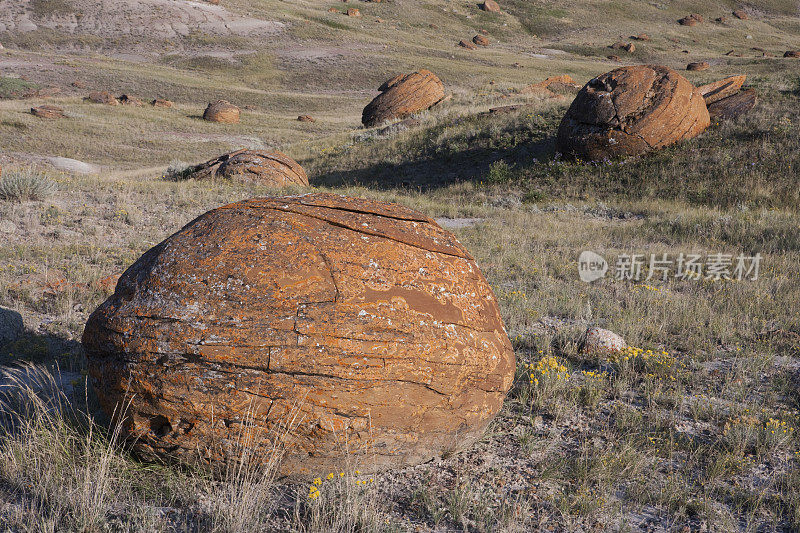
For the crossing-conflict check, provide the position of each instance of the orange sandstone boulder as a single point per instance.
(221, 111)
(792, 53)
(469, 45)
(161, 102)
(724, 88)
(630, 111)
(404, 95)
(490, 5)
(481, 40)
(48, 111)
(266, 168)
(127, 99)
(740, 14)
(362, 326)
(101, 97)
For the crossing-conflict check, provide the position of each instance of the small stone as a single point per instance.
(480, 40)
(700, 65)
(598, 341)
(306, 118)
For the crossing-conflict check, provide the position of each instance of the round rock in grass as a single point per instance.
(222, 111)
(631, 111)
(402, 96)
(274, 169)
(598, 341)
(362, 321)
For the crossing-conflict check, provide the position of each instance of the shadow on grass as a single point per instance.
(465, 149)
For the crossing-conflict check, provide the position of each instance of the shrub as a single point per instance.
(25, 184)
(177, 171)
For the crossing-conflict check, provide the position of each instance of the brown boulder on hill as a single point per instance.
(480, 40)
(490, 5)
(266, 168)
(361, 326)
(353, 12)
(739, 14)
(700, 65)
(691, 20)
(733, 106)
(160, 102)
(792, 53)
(718, 90)
(101, 97)
(402, 96)
(127, 99)
(628, 47)
(546, 88)
(306, 118)
(631, 111)
(48, 111)
(221, 111)
(641, 37)
(467, 44)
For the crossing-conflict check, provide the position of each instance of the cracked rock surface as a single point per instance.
(361, 324)
(402, 96)
(268, 168)
(631, 111)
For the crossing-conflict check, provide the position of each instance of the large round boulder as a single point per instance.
(274, 169)
(339, 328)
(631, 111)
(221, 111)
(402, 96)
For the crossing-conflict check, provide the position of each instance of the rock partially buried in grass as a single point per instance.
(691, 20)
(792, 53)
(127, 99)
(724, 88)
(222, 111)
(741, 15)
(402, 96)
(469, 45)
(598, 341)
(697, 66)
(161, 102)
(353, 12)
(362, 321)
(101, 97)
(733, 106)
(491, 6)
(481, 40)
(306, 118)
(48, 111)
(266, 168)
(631, 111)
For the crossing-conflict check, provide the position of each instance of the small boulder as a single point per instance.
(332, 10)
(691, 20)
(222, 111)
(127, 99)
(741, 15)
(792, 53)
(722, 20)
(274, 169)
(628, 47)
(353, 12)
(614, 58)
(641, 37)
(306, 118)
(101, 97)
(161, 102)
(598, 341)
(481, 40)
(724, 88)
(700, 65)
(402, 96)
(563, 83)
(733, 106)
(48, 111)
(631, 111)
(469, 45)
(491, 6)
